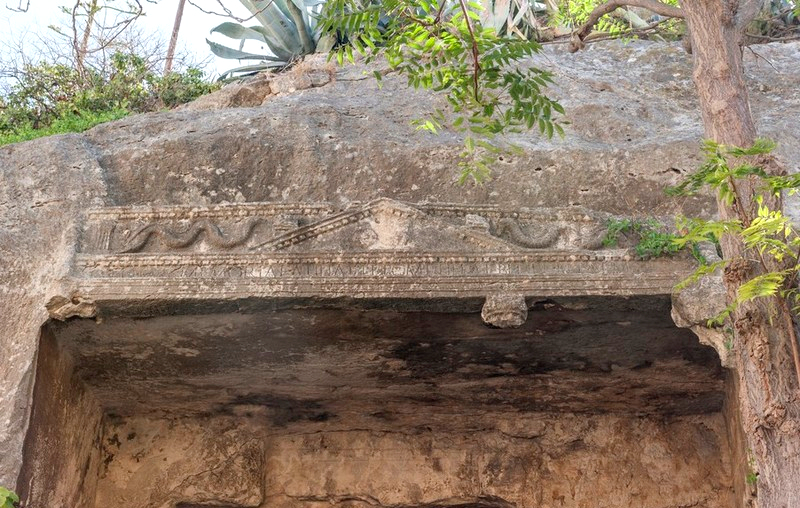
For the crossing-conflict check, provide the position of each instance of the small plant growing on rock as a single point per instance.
(8, 499)
(653, 238)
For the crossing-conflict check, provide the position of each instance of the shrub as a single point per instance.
(50, 98)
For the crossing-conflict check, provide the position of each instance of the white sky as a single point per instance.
(159, 18)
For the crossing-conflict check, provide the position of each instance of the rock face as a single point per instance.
(599, 399)
(44, 189)
(635, 129)
(337, 139)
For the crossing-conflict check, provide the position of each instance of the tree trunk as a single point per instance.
(173, 40)
(769, 395)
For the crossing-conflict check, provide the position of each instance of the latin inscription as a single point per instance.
(266, 268)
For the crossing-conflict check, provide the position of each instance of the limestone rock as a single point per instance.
(339, 139)
(505, 311)
(696, 305)
(62, 308)
(243, 94)
(314, 71)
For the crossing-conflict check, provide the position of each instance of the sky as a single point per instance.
(159, 18)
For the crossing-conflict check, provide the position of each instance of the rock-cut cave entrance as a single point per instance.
(593, 402)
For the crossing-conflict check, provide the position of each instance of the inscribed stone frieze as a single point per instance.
(381, 248)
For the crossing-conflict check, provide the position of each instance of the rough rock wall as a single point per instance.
(65, 431)
(549, 461)
(590, 400)
(44, 186)
(634, 130)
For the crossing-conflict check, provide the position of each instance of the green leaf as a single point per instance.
(760, 146)
(767, 284)
(241, 32)
(282, 34)
(250, 69)
(701, 271)
(7, 498)
(235, 54)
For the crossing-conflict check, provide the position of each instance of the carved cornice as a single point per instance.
(383, 248)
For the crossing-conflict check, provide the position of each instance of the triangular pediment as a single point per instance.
(386, 225)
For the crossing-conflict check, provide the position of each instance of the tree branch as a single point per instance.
(227, 13)
(476, 66)
(601, 10)
(20, 7)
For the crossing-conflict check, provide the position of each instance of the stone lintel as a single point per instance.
(381, 249)
(394, 275)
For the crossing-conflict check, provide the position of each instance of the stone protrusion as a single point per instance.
(505, 311)
(477, 222)
(694, 306)
(62, 308)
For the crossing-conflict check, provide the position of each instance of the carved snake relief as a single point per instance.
(510, 229)
(594, 239)
(182, 239)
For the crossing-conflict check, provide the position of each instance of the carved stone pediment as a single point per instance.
(381, 248)
(386, 225)
(380, 225)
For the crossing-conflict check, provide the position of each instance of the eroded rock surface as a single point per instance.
(547, 461)
(338, 139)
(592, 402)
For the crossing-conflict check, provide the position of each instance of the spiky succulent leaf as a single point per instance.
(250, 69)
(235, 54)
(495, 14)
(237, 31)
(288, 28)
(283, 37)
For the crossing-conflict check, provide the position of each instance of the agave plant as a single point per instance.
(512, 17)
(287, 27)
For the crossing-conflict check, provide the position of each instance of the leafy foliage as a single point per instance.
(69, 122)
(778, 19)
(8, 499)
(767, 234)
(717, 173)
(442, 46)
(576, 12)
(614, 228)
(53, 98)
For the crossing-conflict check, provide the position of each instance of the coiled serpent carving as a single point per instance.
(182, 239)
(510, 229)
